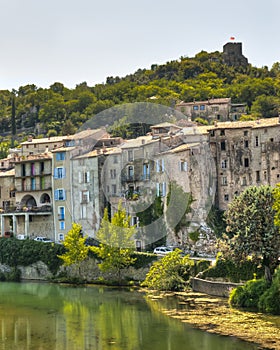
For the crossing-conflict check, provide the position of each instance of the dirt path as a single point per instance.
(214, 315)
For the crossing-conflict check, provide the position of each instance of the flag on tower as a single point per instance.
(232, 38)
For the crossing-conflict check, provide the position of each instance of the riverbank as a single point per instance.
(214, 315)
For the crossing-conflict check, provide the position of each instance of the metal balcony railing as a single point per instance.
(44, 208)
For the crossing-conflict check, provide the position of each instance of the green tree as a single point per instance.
(76, 250)
(276, 204)
(265, 106)
(251, 233)
(116, 243)
(68, 128)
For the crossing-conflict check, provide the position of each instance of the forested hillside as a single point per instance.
(60, 110)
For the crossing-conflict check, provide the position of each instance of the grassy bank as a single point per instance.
(214, 315)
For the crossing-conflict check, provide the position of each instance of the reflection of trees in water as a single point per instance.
(44, 316)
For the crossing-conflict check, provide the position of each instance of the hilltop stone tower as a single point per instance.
(232, 55)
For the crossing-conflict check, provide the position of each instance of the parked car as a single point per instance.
(21, 236)
(43, 239)
(162, 250)
(8, 234)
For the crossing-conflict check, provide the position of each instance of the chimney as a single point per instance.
(30, 138)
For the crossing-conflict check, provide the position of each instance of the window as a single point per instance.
(224, 181)
(59, 194)
(257, 141)
(224, 164)
(61, 213)
(86, 177)
(130, 172)
(223, 145)
(244, 181)
(83, 212)
(33, 184)
(61, 236)
(212, 133)
(146, 171)
(115, 159)
(134, 221)
(160, 165)
(215, 108)
(130, 156)
(84, 196)
(114, 189)
(60, 156)
(59, 173)
(183, 165)
(62, 225)
(226, 197)
(258, 178)
(222, 132)
(246, 143)
(246, 133)
(161, 189)
(42, 183)
(42, 167)
(32, 169)
(195, 108)
(246, 162)
(23, 173)
(202, 107)
(113, 173)
(70, 143)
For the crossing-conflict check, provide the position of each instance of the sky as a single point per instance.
(75, 41)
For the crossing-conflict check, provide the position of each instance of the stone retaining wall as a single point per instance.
(88, 271)
(221, 289)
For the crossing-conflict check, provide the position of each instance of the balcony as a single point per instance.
(44, 208)
(29, 188)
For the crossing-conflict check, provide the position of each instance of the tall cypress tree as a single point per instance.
(14, 128)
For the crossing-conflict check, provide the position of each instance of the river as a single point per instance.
(42, 316)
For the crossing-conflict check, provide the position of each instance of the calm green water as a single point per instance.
(43, 316)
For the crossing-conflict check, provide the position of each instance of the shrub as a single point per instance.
(14, 252)
(170, 272)
(270, 300)
(249, 294)
(233, 272)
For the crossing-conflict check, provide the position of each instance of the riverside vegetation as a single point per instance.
(172, 273)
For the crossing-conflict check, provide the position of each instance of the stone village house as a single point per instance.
(73, 178)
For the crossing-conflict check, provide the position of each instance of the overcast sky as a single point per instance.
(72, 41)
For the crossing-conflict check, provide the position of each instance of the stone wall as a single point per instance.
(221, 289)
(88, 271)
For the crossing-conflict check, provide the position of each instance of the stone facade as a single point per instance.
(49, 191)
(220, 109)
(245, 154)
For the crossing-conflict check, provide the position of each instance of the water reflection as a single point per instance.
(44, 316)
